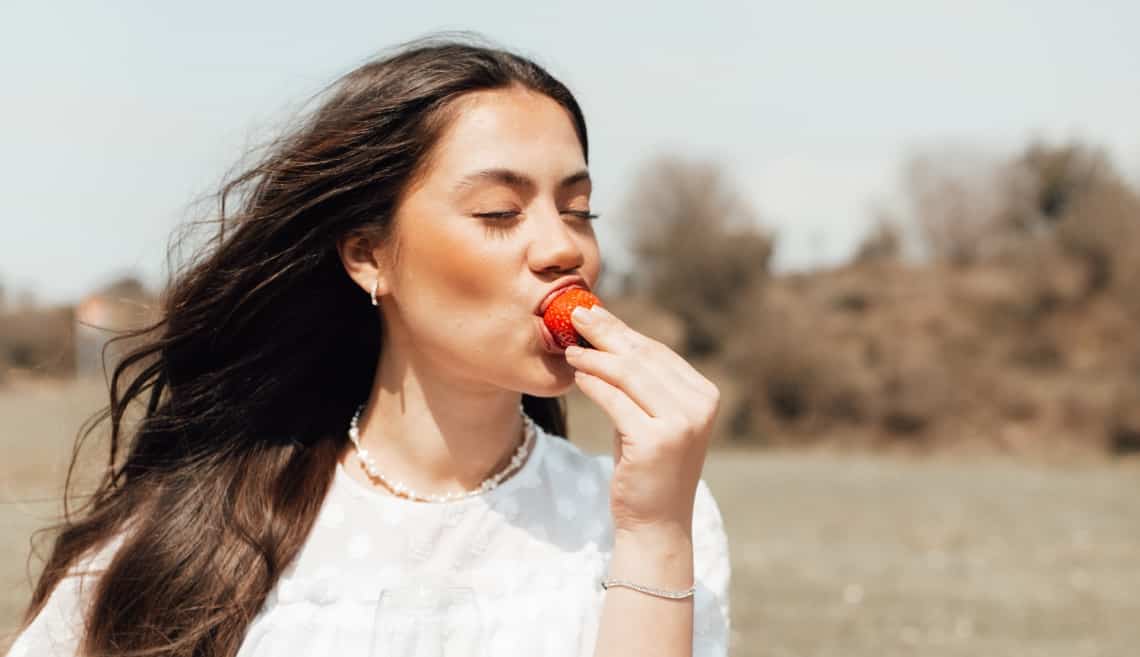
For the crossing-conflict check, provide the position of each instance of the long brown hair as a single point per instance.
(263, 349)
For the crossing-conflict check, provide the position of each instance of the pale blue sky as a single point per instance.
(117, 116)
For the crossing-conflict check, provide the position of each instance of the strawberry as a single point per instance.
(557, 315)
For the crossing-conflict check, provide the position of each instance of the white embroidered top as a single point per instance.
(514, 571)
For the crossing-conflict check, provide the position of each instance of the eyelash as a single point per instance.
(581, 214)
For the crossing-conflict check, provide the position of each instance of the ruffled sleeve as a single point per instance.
(712, 569)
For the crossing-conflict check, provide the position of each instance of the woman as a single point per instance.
(353, 439)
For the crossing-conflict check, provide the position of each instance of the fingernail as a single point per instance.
(582, 314)
(574, 350)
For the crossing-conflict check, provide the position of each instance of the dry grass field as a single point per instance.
(833, 555)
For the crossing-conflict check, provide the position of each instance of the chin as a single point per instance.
(553, 380)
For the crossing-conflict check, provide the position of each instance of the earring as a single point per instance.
(374, 286)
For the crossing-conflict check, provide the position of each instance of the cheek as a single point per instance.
(462, 281)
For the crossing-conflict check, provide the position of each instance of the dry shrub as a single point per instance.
(796, 381)
(1124, 418)
(966, 204)
(884, 242)
(972, 208)
(1019, 333)
(1102, 230)
(806, 368)
(1081, 204)
(38, 341)
(928, 357)
(1033, 292)
(698, 247)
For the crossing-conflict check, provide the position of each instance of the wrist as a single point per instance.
(659, 557)
(661, 533)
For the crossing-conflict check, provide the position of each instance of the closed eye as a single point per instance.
(505, 214)
(510, 214)
(582, 214)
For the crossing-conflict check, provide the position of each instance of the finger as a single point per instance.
(700, 385)
(602, 329)
(619, 339)
(628, 417)
(654, 390)
(698, 389)
(608, 332)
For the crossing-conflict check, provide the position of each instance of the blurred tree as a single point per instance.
(884, 242)
(1061, 175)
(1089, 210)
(128, 286)
(959, 199)
(1049, 201)
(698, 246)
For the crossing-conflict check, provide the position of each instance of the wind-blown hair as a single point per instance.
(263, 348)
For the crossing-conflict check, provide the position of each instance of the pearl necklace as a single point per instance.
(398, 488)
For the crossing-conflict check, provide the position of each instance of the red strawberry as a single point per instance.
(557, 315)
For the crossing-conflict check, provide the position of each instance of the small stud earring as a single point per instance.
(374, 286)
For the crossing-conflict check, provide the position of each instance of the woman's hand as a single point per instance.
(663, 411)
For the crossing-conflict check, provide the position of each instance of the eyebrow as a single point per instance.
(516, 179)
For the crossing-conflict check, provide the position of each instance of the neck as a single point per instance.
(436, 437)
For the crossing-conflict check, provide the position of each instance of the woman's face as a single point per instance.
(485, 232)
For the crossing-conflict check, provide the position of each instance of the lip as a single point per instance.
(573, 281)
(548, 342)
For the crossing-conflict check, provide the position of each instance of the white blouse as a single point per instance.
(514, 571)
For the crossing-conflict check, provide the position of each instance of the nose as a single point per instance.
(555, 244)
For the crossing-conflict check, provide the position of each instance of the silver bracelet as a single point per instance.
(675, 595)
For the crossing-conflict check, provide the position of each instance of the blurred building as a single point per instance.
(66, 340)
(100, 316)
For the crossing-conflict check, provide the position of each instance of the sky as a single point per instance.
(117, 117)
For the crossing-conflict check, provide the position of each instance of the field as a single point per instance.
(833, 555)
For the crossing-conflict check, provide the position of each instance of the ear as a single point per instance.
(364, 260)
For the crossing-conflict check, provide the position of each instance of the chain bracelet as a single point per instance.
(674, 595)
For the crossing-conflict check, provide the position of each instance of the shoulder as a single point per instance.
(84, 574)
(58, 626)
